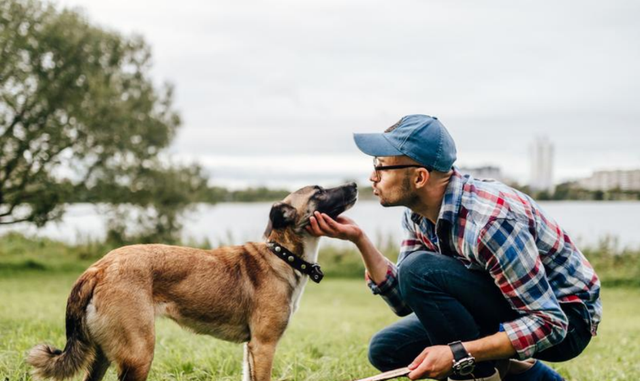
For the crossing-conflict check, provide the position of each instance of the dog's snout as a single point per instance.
(351, 186)
(351, 189)
(334, 201)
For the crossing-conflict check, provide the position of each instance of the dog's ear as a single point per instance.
(281, 215)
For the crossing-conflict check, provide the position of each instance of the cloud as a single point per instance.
(257, 77)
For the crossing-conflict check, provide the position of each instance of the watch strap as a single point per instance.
(459, 351)
(463, 362)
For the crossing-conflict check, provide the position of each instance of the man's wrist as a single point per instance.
(463, 362)
(359, 238)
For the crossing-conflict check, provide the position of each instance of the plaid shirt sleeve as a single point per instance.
(388, 288)
(508, 251)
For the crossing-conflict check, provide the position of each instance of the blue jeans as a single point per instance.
(451, 302)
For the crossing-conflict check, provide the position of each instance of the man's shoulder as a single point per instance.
(487, 200)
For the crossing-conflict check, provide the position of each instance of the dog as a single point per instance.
(245, 294)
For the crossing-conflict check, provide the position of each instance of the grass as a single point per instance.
(327, 339)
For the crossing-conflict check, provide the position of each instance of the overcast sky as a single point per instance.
(271, 91)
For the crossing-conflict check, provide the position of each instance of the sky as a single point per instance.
(270, 92)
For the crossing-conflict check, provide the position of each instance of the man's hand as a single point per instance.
(434, 362)
(342, 227)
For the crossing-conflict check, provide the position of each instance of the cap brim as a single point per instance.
(375, 145)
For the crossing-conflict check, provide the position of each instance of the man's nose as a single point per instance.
(373, 177)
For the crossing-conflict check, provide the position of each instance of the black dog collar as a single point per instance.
(311, 269)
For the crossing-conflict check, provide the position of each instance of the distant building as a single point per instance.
(607, 180)
(484, 172)
(542, 165)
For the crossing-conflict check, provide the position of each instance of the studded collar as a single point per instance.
(310, 269)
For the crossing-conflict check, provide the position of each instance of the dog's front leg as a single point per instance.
(258, 360)
(246, 364)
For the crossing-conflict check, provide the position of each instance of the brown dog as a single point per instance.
(242, 294)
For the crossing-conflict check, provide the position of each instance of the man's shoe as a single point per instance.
(538, 372)
(494, 377)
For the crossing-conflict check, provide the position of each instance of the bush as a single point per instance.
(19, 253)
(614, 266)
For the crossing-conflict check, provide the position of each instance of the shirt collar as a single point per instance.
(451, 200)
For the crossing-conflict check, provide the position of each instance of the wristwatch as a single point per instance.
(463, 362)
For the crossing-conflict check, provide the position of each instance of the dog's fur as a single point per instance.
(239, 293)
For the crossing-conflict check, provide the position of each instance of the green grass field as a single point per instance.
(327, 339)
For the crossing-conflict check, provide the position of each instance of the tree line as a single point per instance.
(571, 191)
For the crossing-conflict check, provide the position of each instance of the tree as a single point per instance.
(148, 209)
(77, 106)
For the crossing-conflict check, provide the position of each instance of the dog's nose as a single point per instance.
(353, 185)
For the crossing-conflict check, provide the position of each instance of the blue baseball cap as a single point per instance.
(420, 137)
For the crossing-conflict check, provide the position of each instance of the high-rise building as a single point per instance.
(542, 165)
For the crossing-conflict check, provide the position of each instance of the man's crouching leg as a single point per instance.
(452, 302)
(398, 345)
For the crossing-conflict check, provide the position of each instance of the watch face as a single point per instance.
(464, 366)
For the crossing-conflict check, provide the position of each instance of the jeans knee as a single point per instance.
(413, 272)
(381, 352)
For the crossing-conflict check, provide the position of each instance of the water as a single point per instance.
(233, 223)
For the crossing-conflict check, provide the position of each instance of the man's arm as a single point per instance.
(436, 361)
(510, 255)
(495, 347)
(381, 273)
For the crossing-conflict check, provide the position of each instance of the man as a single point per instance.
(488, 280)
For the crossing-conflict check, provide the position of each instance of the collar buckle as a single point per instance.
(316, 273)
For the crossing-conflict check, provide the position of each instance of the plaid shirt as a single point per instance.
(491, 227)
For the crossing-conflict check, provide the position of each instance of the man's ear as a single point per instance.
(281, 215)
(422, 178)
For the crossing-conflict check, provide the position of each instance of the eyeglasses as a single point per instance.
(377, 167)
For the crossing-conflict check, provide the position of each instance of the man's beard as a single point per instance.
(403, 197)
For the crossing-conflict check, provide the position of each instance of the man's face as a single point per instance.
(394, 187)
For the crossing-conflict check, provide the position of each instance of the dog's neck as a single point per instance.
(303, 260)
(310, 252)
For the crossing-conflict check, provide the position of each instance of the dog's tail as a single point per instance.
(50, 362)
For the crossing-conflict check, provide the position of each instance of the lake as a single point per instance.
(586, 222)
